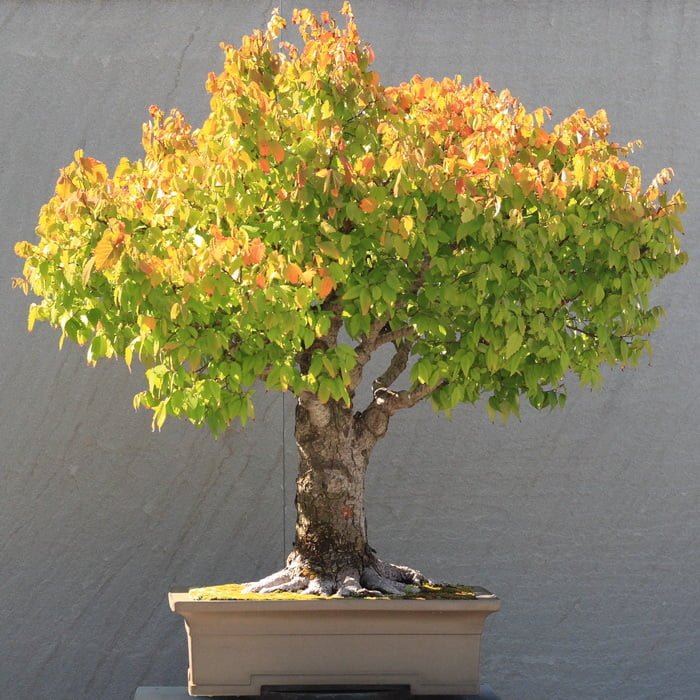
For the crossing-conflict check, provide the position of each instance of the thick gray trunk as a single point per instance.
(331, 555)
(331, 527)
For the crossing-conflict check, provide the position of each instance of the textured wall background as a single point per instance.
(584, 521)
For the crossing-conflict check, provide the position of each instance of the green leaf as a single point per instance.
(325, 387)
(365, 300)
(513, 344)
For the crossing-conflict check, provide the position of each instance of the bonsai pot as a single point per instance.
(237, 647)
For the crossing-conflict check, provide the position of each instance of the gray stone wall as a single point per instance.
(584, 521)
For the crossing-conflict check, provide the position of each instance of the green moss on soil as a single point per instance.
(234, 591)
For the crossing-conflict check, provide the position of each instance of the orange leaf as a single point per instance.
(479, 168)
(264, 165)
(541, 137)
(347, 169)
(146, 267)
(261, 280)
(366, 165)
(560, 190)
(293, 273)
(326, 287)
(368, 205)
(255, 253)
(277, 152)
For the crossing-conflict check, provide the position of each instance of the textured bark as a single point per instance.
(331, 554)
(331, 527)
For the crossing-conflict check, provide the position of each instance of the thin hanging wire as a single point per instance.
(284, 481)
(284, 431)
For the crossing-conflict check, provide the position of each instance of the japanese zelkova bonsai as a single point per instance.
(318, 219)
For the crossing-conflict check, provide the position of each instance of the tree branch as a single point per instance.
(393, 336)
(364, 351)
(374, 420)
(396, 367)
(391, 401)
(582, 331)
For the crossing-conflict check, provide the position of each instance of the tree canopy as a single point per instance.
(318, 215)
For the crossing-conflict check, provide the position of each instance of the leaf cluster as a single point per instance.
(318, 215)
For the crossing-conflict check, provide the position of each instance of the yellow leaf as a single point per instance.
(94, 169)
(129, 354)
(103, 252)
(122, 169)
(159, 415)
(31, 318)
(64, 186)
(393, 163)
(87, 271)
(307, 277)
(23, 249)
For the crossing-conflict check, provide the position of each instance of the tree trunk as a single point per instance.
(331, 554)
(331, 527)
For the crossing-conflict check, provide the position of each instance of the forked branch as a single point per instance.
(374, 420)
(378, 336)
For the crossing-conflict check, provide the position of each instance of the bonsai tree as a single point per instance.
(319, 218)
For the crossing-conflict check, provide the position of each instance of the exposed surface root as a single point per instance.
(379, 579)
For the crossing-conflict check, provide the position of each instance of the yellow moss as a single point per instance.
(234, 591)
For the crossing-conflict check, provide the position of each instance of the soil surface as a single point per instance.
(426, 591)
